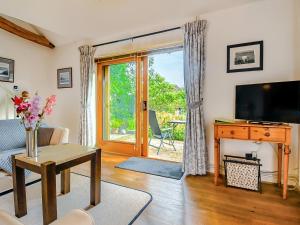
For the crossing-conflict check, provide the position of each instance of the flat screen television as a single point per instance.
(268, 102)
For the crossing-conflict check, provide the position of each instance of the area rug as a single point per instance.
(119, 205)
(6, 183)
(153, 166)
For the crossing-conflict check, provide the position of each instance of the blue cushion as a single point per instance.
(13, 135)
(5, 160)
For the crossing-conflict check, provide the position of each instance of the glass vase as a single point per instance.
(31, 143)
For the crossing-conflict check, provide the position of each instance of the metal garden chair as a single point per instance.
(161, 134)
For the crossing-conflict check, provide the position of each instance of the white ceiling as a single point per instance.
(64, 21)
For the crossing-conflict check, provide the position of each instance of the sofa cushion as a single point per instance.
(5, 160)
(60, 136)
(12, 135)
(44, 136)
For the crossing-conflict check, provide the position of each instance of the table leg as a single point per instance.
(95, 189)
(49, 192)
(217, 160)
(287, 152)
(279, 164)
(19, 189)
(65, 181)
(175, 125)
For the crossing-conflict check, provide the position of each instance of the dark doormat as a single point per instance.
(153, 166)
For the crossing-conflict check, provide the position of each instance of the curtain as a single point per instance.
(195, 152)
(87, 96)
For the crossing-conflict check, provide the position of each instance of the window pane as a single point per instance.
(119, 111)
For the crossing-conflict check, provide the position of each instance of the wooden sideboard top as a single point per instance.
(244, 124)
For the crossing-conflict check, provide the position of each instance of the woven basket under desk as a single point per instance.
(242, 173)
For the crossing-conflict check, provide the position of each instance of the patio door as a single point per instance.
(122, 117)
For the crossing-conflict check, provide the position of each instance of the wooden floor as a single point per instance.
(196, 200)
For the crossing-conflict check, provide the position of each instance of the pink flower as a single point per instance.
(34, 109)
(49, 105)
(30, 110)
(52, 99)
(30, 120)
(48, 110)
(23, 107)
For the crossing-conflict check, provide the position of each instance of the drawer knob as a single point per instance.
(232, 132)
(267, 134)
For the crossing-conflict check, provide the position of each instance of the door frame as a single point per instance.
(140, 147)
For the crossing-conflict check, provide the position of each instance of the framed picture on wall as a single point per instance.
(64, 78)
(245, 57)
(7, 67)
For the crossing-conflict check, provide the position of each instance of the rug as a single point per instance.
(153, 166)
(6, 183)
(119, 205)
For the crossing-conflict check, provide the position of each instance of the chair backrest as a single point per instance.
(154, 123)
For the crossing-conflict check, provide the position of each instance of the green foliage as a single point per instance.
(122, 96)
(165, 98)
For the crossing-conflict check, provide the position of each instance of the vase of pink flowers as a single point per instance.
(32, 115)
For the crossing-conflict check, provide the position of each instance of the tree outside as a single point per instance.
(122, 97)
(166, 98)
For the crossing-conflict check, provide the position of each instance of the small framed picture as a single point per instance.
(64, 78)
(245, 57)
(7, 67)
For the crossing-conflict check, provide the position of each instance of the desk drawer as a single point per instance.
(233, 132)
(267, 134)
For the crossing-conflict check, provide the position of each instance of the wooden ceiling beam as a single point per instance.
(26, 34)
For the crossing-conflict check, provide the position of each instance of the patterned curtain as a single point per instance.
(87, 123)
(195, 152)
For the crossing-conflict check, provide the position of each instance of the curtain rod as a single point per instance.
(138, 36)
(139, 54)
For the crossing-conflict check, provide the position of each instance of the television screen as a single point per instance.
(268, 102)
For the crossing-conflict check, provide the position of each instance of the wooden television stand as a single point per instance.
(280, 134)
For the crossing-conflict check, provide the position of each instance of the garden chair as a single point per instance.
(161, 134)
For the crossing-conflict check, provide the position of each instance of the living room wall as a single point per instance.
(272, 21)
(31, 69)
(67, 109)
(31, 63)
(297, 58)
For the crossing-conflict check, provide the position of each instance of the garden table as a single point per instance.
(175, 123)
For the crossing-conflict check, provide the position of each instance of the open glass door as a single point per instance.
(120, 106)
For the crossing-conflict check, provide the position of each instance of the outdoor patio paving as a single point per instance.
(166, 152)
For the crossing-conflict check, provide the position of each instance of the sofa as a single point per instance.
(13, 140)
(75, 217)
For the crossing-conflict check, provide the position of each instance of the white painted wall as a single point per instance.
(297, 37)
(297, 55)
(31, 62)
(67, 109)
(270, 20)
(31, 66)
